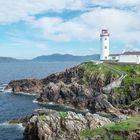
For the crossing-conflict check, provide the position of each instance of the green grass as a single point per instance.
(114, 129)
(88, 133)
(63, 115)
(135, 102)
(42, 118)
(132, 78)
(92, 70)
(127, 125)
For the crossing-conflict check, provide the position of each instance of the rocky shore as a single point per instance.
(82, 87)
(47, 124)
(53, 125)
(76, 87)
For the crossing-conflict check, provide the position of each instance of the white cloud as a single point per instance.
(16, 10)
(15, 41)
(123, 25)
(116, 3)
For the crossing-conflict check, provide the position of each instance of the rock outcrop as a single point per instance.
(52, 125)
(26, 86)
(37, 86)
(80, 87)
(77, 96)
(22, 121)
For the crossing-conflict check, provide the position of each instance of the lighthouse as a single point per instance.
(104, 38)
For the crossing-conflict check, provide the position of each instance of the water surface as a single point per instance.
(16, 106)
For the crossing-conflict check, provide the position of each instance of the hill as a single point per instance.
(52, 58)
(66, 57)
(8, 59)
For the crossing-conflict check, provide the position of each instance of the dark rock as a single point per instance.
(26, 85)
(68, 88)
(23, 120)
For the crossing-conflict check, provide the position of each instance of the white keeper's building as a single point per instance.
(125, 57)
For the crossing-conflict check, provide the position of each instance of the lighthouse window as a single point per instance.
(105, 47)
(105, 38)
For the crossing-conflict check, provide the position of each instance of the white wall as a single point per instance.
(104, 48)
(112, 58)
(129, 59)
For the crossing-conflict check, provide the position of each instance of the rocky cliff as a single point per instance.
(26, 85)
(80, 87)
(83, 87)
(52, 125)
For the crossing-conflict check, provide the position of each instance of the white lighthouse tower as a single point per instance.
(104, 36)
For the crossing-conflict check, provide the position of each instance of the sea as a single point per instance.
(20, 105)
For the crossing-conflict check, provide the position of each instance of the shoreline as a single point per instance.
(64, 106)
(20, 93)
(19, 125)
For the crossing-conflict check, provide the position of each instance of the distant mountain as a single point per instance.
(8, 59)
(66, 57)
(53, 58)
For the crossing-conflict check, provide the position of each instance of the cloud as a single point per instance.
(116, 3)
(121, 17)
(15, 41)
(17, 10)
(123, 25)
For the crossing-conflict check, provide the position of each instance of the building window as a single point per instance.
(106, 57)
(105, 47)
(114, 57)
(105, 38)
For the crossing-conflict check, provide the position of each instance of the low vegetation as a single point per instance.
(42, 118)
(116, 131)
(92, 70)
(63, 115)
(135, 102)
(130, 84)
(132, 71)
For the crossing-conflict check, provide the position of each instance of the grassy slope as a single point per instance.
(115, 130)
(132, 78)
(93, 70)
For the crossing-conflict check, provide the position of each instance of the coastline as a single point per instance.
(79, 88)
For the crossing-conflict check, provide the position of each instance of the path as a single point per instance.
(116, 83)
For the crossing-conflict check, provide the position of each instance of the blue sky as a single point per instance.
(29, 28)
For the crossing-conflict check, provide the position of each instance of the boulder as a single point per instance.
(52, 125)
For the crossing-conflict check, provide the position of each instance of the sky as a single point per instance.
(30, 28)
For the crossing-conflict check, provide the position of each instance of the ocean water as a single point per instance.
(16, 106)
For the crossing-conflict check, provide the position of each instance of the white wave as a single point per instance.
(51, 103)
(25, 93)
(20, 126)
(8, 125)
(18, 93)
(2, 87)
(4, 84)
(4, 124)
(8, 90)
(35, 101)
